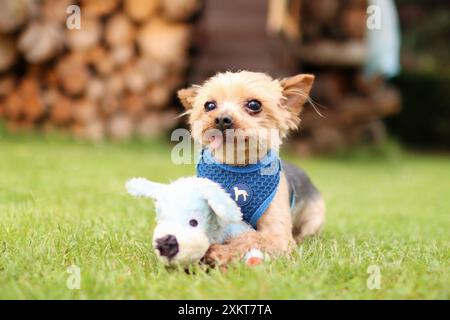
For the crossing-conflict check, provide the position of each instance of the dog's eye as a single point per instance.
(210, 105)
(254, 105)
(193, 223)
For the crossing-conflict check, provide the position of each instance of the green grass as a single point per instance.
(63, 203)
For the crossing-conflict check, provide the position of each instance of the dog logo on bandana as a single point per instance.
(252, 187)
(241, 194)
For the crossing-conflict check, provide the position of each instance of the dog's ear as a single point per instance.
(296, 91)
(221, 203)
(187, 96)
(141, 187)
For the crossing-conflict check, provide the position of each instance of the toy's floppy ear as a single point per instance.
(141, 187)
(221, 203)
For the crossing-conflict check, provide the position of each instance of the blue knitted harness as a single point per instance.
(252, 187)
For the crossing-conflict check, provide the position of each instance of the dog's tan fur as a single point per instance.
(282, 101)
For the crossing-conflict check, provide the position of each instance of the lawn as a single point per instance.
(63, 203)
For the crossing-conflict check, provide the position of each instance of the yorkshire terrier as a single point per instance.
(240, 119)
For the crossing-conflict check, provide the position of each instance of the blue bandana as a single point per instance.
(252, 186)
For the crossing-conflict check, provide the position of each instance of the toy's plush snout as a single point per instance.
(191, 214)
(167, 246)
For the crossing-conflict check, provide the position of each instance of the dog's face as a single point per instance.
(190, 214)
(252, 105)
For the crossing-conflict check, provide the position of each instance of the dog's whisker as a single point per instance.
(313, 103)
(183, 114)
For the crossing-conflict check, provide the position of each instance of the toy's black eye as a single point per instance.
(193, 223)
(254, 105)
(210, 105)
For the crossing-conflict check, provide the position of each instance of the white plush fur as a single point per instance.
(189, 198)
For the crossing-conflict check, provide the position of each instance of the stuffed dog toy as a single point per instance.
(191, 213)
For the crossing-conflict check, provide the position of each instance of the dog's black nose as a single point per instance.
(167, 246)
(223, 122)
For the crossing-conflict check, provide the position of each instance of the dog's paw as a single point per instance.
(219, 254)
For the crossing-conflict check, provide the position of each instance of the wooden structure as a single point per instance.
(115, 76)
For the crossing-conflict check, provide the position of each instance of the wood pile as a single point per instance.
(331, 44)
(113, 77)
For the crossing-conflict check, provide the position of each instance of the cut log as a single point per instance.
(119, 30)
(101, 60)
(93, 131)
(33, 106)
(114, 85)
(121, 54)
(49, 97)
(8, 53)
(154, 124)
(158, 96)
(333, 53)
(135, 79)
(149, 126)
(41, 41)
(7, 84)
(95, 54)
(133, 104)
(140, 10)
(14, 107)
(95, 89)
(73, 74)
(354, 110)
(61, 112)
(164, 42)
(13, 14)
(110, 104)
(98, 8)
(50, 78)
(153, 71)
(55, 10)
(180, 10)
(120, 127)
(86, 37)
(85, 111)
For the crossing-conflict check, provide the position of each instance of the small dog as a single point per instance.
(283, 206)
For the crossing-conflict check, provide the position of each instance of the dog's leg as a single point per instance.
(308, 217)
(273, 236)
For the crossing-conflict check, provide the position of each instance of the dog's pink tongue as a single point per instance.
(215, 142)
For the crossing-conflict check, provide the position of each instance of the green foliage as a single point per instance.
(64, 203)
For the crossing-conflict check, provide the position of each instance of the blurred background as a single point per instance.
(109, 69)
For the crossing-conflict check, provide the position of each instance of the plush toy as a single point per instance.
(191, 214)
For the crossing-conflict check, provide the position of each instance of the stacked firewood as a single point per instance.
(328, 38)
(114, 76)
(333, 47)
